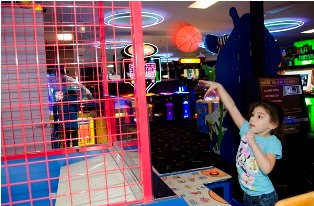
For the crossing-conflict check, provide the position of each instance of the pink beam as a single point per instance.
(140, 100)
(109, 108)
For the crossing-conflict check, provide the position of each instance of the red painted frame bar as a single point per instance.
(140, 100)
(109, 108)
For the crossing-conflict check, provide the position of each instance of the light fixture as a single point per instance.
(202, 4)
(82, 29)
(171, 59)
(190, 61)
(308, 31)
(112, 44)
(122, 20)
(165, 55)
(65, 37)
(281, 25)
(149, 50)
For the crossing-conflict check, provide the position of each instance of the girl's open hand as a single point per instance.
(210, 84)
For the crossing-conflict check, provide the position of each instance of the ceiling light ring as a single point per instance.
(281, 30)
(149, 16)
(285, 23)
(111, 44)
(282, 25)
(117, 19)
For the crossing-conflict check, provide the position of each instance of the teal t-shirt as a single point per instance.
(252, 180)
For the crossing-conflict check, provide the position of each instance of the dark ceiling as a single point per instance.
(214, 20)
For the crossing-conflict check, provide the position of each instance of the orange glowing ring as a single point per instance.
(149, 50)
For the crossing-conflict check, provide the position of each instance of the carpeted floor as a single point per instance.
(178, 145)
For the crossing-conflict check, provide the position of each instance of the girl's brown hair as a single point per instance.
(275, 113)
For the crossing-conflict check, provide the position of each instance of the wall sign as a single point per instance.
(304, 54)
(284, 90)
(150, 70)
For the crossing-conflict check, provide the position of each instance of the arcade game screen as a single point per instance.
(306, 77)
(191, 73)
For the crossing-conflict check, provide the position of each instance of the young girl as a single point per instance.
(259, 147)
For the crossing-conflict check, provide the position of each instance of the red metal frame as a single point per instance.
(35, 68)
(140, 92)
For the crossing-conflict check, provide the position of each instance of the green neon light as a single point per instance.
(309, 102)
(307, 48)
(301, 43)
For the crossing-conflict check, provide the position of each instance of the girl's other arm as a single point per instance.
(226, 100)
(265, 162)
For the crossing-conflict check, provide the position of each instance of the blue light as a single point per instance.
(274, 26)
(186, 109)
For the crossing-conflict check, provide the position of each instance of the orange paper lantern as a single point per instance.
(187, 38)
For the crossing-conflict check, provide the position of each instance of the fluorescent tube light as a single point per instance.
(308, 31)
(65, 37)
(202, 4)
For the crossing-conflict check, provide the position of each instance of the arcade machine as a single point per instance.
(58, 84)
(150, 102)
(301, 62)
(53, 108)
(306, 79)
(169, 106)
(190, 70)
(286, 90)
(182, 103)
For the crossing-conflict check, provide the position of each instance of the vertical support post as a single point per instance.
(140, 100)
(102, 39)
(109, 108)
(257, 38)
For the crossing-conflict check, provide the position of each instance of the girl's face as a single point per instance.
(260, 122)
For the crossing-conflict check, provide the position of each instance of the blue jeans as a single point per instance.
(261, 200)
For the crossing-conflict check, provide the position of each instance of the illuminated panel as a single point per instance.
(149, 50)
(189, 61)
(309, 102)
(304, 53)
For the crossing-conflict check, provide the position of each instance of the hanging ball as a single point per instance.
(188, 38)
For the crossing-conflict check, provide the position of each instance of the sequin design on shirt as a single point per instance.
(246, 164)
